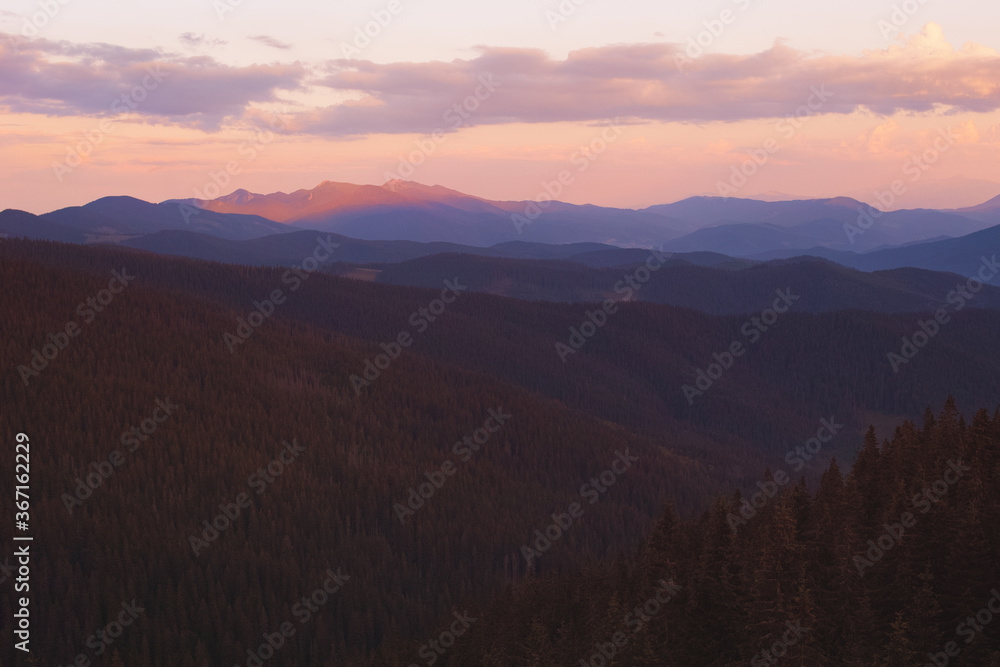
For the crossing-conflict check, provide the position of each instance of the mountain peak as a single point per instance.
(240, 196)
(990, 205)
(849, 202)
(397, 184)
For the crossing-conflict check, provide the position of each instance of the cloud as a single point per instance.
(658, 82)
(637, 83)
(200, 41)
(63, 79)
(271, 41)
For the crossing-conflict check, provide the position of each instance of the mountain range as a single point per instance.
(405, 210)
(416, 212)
(404, 221)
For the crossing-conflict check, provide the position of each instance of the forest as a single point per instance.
(148, 430)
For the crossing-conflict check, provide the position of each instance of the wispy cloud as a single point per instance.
(643, 83)
(634, 82)
(62, 79)
(272, 42)
(200, 41)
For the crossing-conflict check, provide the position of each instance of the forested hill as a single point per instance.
(96, 341)
(720, 290)
(894, 562)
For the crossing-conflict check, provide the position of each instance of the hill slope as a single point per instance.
(717, 289)
(368, 445)
(128, 216)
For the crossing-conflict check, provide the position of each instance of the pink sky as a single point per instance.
(523, 115)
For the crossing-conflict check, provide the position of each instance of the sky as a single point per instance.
(643, 102)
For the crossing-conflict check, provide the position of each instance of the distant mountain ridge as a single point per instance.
(406, 210)
(717, 288)
(587, 272)
(745, 228)
(964, 255)
(128, 216)
(404, 220)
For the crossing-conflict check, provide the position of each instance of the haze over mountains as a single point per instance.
(111, 219)
(717, 289)
(403, 221)
(943, 194)
(412, 211)
(405, 210)
(747, 228)
(740, 227)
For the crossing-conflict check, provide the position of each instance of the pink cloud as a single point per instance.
(635, 82)
(658, 82)
(63, 79)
